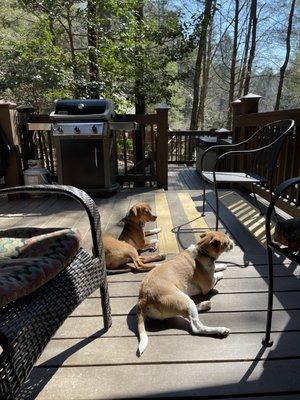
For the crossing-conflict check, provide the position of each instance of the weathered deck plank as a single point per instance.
(253, 285)
(166, 349)
(125, 325)
(250, 271)
(220, 303)
(168, 380)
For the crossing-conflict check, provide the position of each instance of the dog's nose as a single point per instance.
(154, 217)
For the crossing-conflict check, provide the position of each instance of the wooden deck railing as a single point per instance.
(141, 153)
(246, 119)
(182, 145)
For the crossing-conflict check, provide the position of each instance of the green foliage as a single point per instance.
(45, 53)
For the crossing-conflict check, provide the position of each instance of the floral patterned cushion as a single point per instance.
(29, 257)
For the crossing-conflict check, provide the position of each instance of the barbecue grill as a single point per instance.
(85, 144)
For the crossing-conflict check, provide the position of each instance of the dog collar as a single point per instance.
(204, 254)
(140, 224)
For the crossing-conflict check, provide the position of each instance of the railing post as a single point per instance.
(236, 109)
(25, 137)
(250, 103)
(162, 146)
(8, 121)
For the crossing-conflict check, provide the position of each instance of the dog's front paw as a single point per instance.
(218, 276)
(204, 306)
(220, 267)
(223, 331)
(154, 245)
(162, 257)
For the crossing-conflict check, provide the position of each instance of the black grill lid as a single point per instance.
(83, 108)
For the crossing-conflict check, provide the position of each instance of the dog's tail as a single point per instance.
(141, 330)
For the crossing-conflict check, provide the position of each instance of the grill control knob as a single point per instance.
(59, 129)
(76, 129)
(80, 106)
(94, 129)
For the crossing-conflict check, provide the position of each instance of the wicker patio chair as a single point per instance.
(287, 252)
(28, 323)
(266, 145)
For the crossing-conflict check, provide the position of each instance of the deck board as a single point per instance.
(125, 325)
(232, 271)
(254, 285)
(165, 349)
(220, 302)
(82, 362)
(167, 380)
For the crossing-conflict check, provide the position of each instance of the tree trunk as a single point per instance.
(233, 62)
(244, 61)
(287, 55)
(253, 18)
(198, 66)
(73, 55)
(92, 37)
(140, 100)
(205, 75)
(51, 29)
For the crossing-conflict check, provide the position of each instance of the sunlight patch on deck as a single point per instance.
(247, 214)
(166, 238)
(191, 213)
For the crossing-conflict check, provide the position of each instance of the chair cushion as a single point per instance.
(30, 257)
(233, 177)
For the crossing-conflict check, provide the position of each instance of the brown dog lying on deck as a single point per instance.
(119, 252)
(166, 291)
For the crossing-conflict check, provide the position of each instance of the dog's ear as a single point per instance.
(215, 244)
(134, 211)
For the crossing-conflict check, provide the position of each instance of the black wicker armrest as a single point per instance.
(77, 194)
(28, 323)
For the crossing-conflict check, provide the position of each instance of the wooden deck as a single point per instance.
(82, 362)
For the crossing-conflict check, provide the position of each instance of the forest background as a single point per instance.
(197, 56)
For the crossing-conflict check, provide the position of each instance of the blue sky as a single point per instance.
(271, 28)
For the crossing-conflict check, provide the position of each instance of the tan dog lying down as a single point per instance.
(166, 291)
(119, 252)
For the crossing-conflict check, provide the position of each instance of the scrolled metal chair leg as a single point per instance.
(267, 340)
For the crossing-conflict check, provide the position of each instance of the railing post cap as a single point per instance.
(25, 108)
(222, 130)
(251, 96)
(7, 104)
(162, 106)
(236, 107)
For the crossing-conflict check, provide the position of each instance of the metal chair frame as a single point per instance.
(260, 135)
(272, 246)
